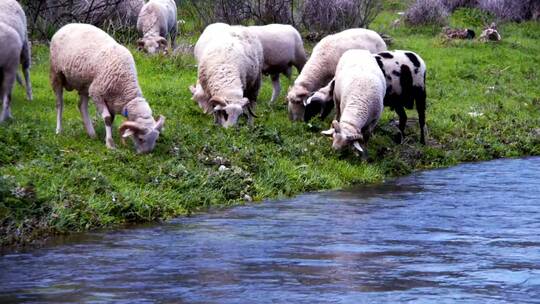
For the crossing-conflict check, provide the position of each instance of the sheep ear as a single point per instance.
(329, 132)
(332, 85)
(335, 125)
(193, 89)
(217, 101)
(159, 124)
(357, 146)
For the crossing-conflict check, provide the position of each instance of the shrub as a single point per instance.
(333, 15)
(509, 10)
(424, 12)
(452, 5)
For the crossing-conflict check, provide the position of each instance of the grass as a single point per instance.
(483, 103)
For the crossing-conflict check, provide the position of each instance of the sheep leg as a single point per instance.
(7, 85)
(107, 119)
(402, 121)
(25, 61)
(276, 88)
(173, 33)
(421, 109)
(83, 108)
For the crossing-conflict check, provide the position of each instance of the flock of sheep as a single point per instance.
(351, 71)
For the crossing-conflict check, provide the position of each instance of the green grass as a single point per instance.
(59, 184)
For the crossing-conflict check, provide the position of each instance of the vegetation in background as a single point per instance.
(483, 103)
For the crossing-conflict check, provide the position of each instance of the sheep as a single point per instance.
(358, 91)
(12, 14)
(321, 66)
(85, 58)
(229, 74)
(157, 18)
(405, 74)
(10, 53)
(282, 48)
(211, 32)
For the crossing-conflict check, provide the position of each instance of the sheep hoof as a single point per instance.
(110, 144)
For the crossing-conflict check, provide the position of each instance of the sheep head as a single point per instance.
(152, 44)
(226, 113)
(295, 99)
(144, 137)
(319, 102)
(343, 137)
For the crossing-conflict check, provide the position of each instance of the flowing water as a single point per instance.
(465, 234)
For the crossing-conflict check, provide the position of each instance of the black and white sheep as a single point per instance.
(86, 59)
(358, 90)
(12, 14)
(405, 74)
(321, 66)
(156, 20)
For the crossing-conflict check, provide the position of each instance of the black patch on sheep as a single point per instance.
(396, 73)
(388, 78)
(313, 108)
(415, 71)
(412, 57)
(388, 89)
(406, 82)
(470, 34)
(381, 65)
(386, 55)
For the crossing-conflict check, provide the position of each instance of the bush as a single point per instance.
(424, 12)
(509, 10)
(47, 16)
(452, 5)
(334, 15)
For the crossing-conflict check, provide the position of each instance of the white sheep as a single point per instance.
(211, 32)
(10, 53)
(229, 74)
(157, 19)
(12, 14)
(283, 48)
(321, 66)
(358, 91)
(85, 58)
(405, 74)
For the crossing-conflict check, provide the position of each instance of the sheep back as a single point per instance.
(282, 47)
(359, 88)
(405, 74)
(91, 61)
(321, 66)
(231, 64)
(157, 17)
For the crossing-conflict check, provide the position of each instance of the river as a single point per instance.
(467, 234)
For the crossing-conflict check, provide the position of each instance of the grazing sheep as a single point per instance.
(211, 32)
(457, 33)
(230, 68)
(12, 14)
(10, 53)
(321, 66)
(283, 48)
(405, 74)
(87, 59)
(157, 18)
(358, 92)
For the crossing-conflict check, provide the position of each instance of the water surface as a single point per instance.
(465, 234)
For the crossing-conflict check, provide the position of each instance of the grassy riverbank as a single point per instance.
(483, 103)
